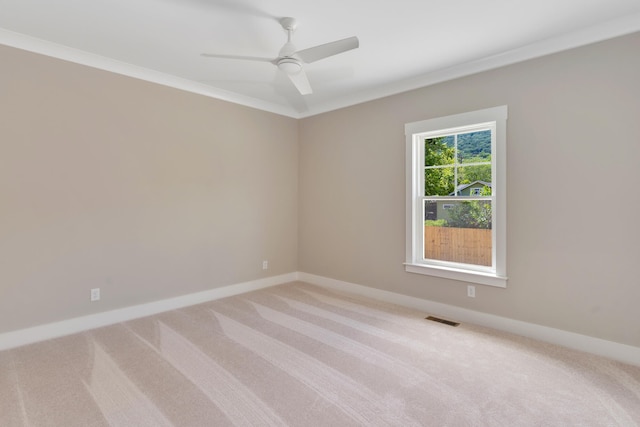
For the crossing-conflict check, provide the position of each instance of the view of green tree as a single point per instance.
(473, 214)
(474, 145)
(438, 181)
(469, 174)
(437, 152)
(435, 223)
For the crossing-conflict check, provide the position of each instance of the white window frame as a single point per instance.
(416, 133)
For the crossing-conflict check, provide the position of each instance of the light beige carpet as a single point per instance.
(301, 355)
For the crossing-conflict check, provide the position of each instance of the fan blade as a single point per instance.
(301, 82)
(245, 58)
(316, 53)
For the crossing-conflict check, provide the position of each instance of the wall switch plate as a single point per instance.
(471, 291)
(265, 265)
(95, 294)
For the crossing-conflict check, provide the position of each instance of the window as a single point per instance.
(456, 197)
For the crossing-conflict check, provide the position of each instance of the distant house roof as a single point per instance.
(462, 187)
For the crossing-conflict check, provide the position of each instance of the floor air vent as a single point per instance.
(439, 320)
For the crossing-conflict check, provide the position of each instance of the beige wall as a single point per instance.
(144, 191)
(149, 192)
(573, 198)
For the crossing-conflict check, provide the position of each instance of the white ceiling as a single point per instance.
(404, 44)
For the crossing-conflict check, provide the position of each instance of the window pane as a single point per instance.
(439, 181)
(459, 232)
(474, 180)
(474, 147)
(430, 210)
(439, 151)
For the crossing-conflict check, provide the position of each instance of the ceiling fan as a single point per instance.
(290, 60)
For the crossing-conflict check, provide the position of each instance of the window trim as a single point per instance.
(494, 276)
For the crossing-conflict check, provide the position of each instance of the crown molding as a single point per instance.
(600, 32)
(58, 51)
(594, 34)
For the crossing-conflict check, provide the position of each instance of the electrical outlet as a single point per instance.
(265, 265)
(471, 291)
(95, 294)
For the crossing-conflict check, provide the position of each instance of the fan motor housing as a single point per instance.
(290, 65)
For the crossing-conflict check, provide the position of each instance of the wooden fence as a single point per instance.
(466, 245)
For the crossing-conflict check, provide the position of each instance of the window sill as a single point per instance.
(477, 277)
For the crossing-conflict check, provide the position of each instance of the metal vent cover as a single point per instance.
(439, 320)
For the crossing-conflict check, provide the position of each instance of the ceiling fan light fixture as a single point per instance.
(289, 65)
(290, 59)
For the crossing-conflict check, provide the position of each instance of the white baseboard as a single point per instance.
(621, 352)
(67, 327)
